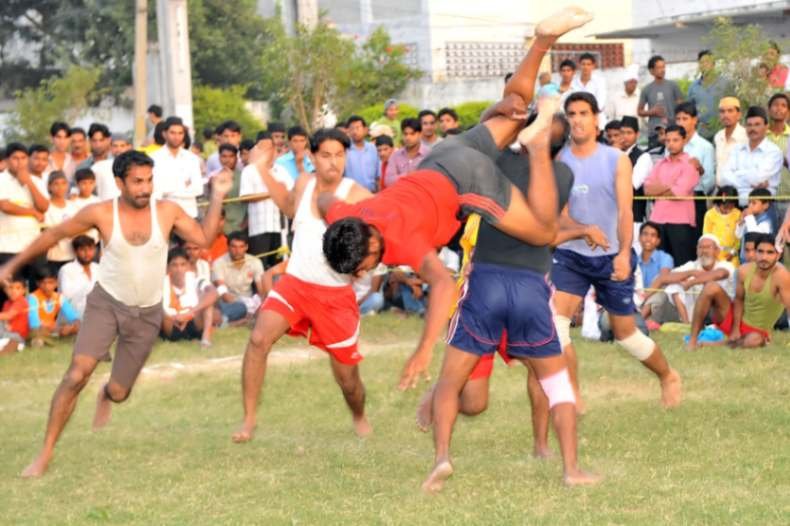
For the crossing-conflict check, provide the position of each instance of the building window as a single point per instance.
(607, 55)
(482, 59)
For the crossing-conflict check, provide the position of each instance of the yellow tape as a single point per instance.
(281, 250)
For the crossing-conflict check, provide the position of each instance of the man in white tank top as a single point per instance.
(310, 298)
(126, 303)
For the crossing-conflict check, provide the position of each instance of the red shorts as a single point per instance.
(485, 365)
(726, 327)
(329, 314)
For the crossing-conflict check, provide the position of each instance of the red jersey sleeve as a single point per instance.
(339, 210)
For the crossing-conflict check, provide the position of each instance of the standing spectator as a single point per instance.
(390, 119)
(384, 148)
(277, 132)
(702, 157)
(367, 289)
(101, 161)
(567, 73)
(100, 138)
(119, 144)
(721, 221)
(706, 91)
(49, 313)
(730, 136)
(159, 139)
(428, 123)
(79, 147)
(777, 72)
(779, 134)
(756, 164)
(14, 326)
(85, 180)
(264, 220)
(641, 162)
(59, 210)
(244, 152)
(625, 103)
(674, 175)
(592, 82)
(297, 160)
(229, 132)
(154, 115)
(59, 157)
(188, 302)
(39, 161)
(234, 212)
(237, 276)
(77, 278)
(177, 174)
(408, 158)
(209, 142)
(613, 134)
(660, 96)
(362, 161)
(448, 120)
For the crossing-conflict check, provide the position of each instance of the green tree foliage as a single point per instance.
(469, 112)
(211, 106)
(57, 98)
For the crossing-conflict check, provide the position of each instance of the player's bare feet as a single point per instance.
(581, 478)
(362, 427)
(244, 434)
(435, 481)
(425, 411)
(538, 133)
(542, 453)
(38, 467)
(562, 21)
(103, 411)
(671, 390)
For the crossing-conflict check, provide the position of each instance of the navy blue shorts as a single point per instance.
(497, 298)
(573, 273)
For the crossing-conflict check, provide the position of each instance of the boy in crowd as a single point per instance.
(77, 278)
(59, 211)
(14, 326)
(448, 120)
(188, 302)
(384, 147)
(47, 311)
(756, 217)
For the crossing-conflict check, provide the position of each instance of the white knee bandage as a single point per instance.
(638, 345)
(563, 326)
(558, 388)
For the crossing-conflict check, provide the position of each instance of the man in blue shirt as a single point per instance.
(362, 160)
(297, 160)
(706, 91)
(652, 262)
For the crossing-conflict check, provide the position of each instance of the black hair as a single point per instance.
(263, 134)
(568, 63)
(676, 128)
(98, 127)
(230, 125)
(54, 175)
(583, 96)
(37, 148)
(174, 121)
(447, 111)
(630, 122)
(159, 133)
(247, 144)
(238, 235)
(412, 123)
(613, 125)
(77, 130)
(655, 59)
(177, 252)
(2, 154)
(208, 132)
(726, 193)
(454, 131)
(751, 237)
(18, 278)
(155, 109)
(328, 134)
(650, 224)
(587, 56)
(687, 107)
(356, 118)
(773, 45)
(757, 111)
(383, 140)
(14, 147)
(759, 194)
(122, 163)
(346, 244)
(777, 96)
(198, 145)
(45, 272)
(423, 113)
(59, 126)
(761, 237)
(295, 131)
(508, 76)
(225, 147)
(704, 53)
(276, 127)
(82, 241)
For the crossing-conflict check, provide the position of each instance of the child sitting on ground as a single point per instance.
(722, 220)
(49, 313)
(14, 327)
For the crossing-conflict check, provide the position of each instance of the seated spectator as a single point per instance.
(721, 221)
(49, 313)
(368, 290)
(59, 211)
(219, 247)
(271, 276)
(612, 133)
(406, 291)
(237, 275)
(652, 262)
(674, 176)
(685, 283)
(188, 302)
(762, 294)
(297, 160)
(77, 278)
(448, 120)
(14, 326)
(197, 264)
(384, 147)
(406, 159)
(749, 248)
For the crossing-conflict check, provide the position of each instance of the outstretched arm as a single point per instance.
(203, 234)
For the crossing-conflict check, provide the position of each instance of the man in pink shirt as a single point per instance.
(408, 158)
(674, 176)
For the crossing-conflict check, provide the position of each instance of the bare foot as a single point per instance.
(435, 481)
(38, 467)
(542, 453)
(581, 478)
(425, 411)
(103, 411)
(244, 434)
(538, 133)
(562, 21)
(362, 427)
(692, 344)
(671, 390)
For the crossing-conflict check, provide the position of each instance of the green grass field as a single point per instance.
(166, 458)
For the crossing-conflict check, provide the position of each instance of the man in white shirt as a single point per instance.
(265, 223)
(229, 132)
(756, 164)
(177, 175)
(730, 136)
(77, 278)
(591, 81)
(625, 103)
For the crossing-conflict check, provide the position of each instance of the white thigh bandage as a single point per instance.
(558, 388)
(638, 345)
(563, 326)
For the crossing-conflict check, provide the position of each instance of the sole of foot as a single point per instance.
(561, 22)
(435, 481)
(581, 478)
(671, 390)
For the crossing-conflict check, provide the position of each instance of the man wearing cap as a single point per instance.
(731, 135)
(706, 92)
(625, 102)
(390, 119)
(684, 284)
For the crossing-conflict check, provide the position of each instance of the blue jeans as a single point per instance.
(233, 311)
(373, 303)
